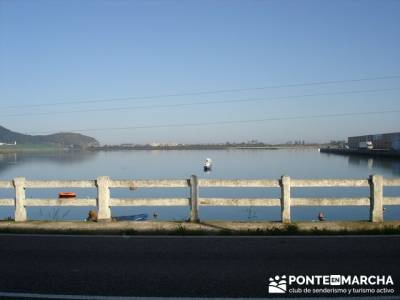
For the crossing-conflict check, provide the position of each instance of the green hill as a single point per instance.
(63, 139)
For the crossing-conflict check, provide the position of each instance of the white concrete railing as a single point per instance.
(104, 202)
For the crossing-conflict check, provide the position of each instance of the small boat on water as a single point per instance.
(66, 195)
(92, 216)
(207, 165)
(139, 217)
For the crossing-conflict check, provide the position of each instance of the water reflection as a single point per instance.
(392, 165)
(10, 160)
(251, 164)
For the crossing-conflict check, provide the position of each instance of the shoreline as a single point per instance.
(150, 148)
(189, 148)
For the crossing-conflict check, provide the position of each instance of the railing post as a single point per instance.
(20, 210)
(194, 198)
(285, 199)
(103, 199)
(376, 198)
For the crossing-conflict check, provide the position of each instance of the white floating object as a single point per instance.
(208, 164)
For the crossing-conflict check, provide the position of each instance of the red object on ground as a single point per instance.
(67, 195)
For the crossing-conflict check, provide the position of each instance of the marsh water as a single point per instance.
(179, 164)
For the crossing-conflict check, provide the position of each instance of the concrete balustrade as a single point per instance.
(104, 202)
(20, 210)
(194, 199)
(285, 199)
(376, 196)
(103, 198)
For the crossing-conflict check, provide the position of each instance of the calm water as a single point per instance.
(229, 164)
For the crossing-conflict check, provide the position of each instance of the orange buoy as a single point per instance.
(67, 195)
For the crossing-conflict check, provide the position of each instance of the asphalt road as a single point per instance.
(184, 266)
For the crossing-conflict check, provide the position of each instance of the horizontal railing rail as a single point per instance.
(104, 201)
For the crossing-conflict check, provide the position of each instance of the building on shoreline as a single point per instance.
(385, 141)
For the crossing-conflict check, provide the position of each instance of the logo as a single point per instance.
(277, 285)
(331, 284)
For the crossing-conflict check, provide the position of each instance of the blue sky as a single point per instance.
(68, 51)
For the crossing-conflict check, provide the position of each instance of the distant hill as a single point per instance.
(65, 139)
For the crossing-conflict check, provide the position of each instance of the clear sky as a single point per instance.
(58, 52)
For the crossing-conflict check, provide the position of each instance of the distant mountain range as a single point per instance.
(64, 139)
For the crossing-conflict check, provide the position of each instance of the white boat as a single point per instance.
(208, 165)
